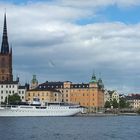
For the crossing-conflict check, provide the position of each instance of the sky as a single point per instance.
(69, 40)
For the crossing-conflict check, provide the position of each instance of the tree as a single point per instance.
(13, 99)
(123, 103)
(138, 111)
(114, 103)
(107, 104)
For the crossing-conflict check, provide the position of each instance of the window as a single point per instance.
(1, 97)
(1, 91)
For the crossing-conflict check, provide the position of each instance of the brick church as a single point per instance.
(5, 57)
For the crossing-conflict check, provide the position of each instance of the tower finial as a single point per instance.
(5, 44)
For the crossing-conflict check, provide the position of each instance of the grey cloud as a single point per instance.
(46, 42)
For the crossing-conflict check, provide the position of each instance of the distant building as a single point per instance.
(111, 95)
(7, 85)
(134, 100)
(89, 95)
(11, 87)
(45, 95)
(5, 57)
(22, 92)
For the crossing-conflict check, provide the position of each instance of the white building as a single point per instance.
(22, 92)
(10, 88)
(111, 95)
(134, 100)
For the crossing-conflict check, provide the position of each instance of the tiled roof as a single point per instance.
(51, 85)
(133, 97)
(44, 89)
(80, 85)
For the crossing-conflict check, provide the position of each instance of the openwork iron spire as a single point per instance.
(5, 44)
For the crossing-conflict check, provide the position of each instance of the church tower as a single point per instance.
(5, 56)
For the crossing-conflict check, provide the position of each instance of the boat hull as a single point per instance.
(49, 111)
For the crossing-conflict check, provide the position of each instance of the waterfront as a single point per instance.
(70, 128)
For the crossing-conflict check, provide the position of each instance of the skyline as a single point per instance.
(62, 40)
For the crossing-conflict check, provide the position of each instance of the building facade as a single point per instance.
(11, 87)
(7, 85)
(111, 95)
(89, 95)
(134, 100)
(44, 95)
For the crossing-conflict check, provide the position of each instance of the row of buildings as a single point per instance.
(90, 95)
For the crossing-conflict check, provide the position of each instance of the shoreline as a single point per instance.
(106, 114)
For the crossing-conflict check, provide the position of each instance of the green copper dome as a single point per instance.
(34, 80)
(100, 83)
(93, 79)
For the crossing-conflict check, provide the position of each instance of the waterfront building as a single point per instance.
(7, 85)
(12, 87)
(134, 100)
(44, 94)
(111, 95)
(22, 92)
(89, 95)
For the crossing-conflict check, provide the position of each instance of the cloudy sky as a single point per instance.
(61, 40)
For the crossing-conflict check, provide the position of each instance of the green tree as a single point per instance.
(107, 104)
(123, 103)
(13, 99)
(114, 103)
(138, 111)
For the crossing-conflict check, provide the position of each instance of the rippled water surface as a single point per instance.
(70, 128)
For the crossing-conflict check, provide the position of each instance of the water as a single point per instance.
(70, 128)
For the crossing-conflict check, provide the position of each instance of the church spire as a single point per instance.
(5, 44)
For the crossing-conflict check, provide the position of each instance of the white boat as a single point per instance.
(49, 110)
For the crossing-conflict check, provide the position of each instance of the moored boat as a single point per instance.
(30, 110)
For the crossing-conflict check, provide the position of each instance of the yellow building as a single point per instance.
(89, 95)
(45, 95)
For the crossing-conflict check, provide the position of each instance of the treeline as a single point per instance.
(123, 103)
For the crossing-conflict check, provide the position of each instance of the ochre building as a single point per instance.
(89, 95)
(45, 95)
